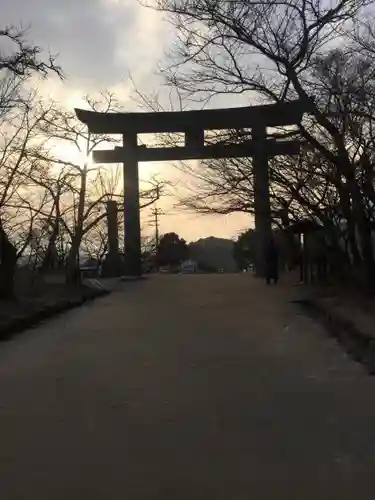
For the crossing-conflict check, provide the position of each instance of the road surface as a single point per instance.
(184, 388)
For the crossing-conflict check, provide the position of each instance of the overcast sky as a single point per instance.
(99, 42)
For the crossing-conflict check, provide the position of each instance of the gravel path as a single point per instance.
(185, 388)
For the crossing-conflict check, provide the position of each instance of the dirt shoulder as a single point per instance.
(348, 316)
(39, 299)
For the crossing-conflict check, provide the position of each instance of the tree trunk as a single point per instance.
(346, 208)
(50, 258)
(365, 237)
(364, 229)
(8, 261)
(73, 275)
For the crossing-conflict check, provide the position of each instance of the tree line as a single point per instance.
(52, 199)
(322, 53)
(171, 251)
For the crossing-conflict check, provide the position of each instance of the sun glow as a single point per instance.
(69, 154)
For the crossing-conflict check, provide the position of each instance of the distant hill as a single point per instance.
(214, 252)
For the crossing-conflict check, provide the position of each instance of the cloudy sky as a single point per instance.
(99, 42)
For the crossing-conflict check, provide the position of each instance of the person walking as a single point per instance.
(272, 262)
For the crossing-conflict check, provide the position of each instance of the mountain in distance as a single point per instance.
(215, 253)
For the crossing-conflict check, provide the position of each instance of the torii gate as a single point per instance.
(194, 124)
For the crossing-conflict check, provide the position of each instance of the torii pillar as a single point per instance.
(113, 263)
(132, 220)
(112, 227)
(262, 206)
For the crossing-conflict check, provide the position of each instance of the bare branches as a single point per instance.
(220, 42)
(280, 50)
(24, 59)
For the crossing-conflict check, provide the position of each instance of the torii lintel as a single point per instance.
(271, 115)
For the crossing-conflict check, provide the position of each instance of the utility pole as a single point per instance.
(155, 222)
(156, 213)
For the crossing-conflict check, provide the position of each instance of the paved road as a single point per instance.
(184, 388)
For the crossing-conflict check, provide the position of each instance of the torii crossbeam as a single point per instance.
(194, 124)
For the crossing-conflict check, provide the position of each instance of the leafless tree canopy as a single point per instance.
(52, 198)
(321, 52)
(21, 58)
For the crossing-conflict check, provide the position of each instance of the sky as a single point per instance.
(99, 43)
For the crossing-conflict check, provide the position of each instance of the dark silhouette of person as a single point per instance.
(272, 262)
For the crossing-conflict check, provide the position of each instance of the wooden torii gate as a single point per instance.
(194, 124)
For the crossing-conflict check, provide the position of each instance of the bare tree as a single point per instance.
(280, 50)
(18, 62)
(82, 189)
(19, 202)
(64, 131)
(24, 59)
